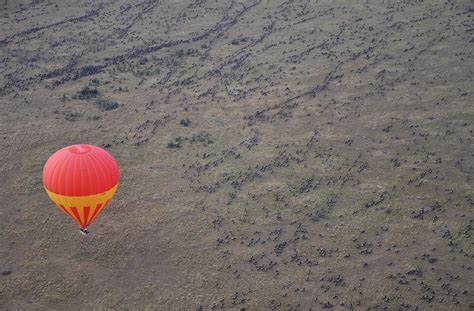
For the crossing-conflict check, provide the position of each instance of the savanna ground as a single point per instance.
(285, 155)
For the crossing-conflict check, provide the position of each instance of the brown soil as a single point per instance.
(274, 155)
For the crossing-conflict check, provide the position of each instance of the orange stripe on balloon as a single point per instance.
(86, 215)
(75, 212)
(66, 211)
(71, 214)
(98, 208)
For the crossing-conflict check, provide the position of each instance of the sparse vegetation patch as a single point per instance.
(87, 92)
(106, 104)
(202, 137)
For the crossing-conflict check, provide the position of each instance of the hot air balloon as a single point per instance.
(81, 180)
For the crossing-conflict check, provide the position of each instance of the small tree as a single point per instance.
(185, 122)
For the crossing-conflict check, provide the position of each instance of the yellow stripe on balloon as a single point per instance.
(95, 202)
(86, 200)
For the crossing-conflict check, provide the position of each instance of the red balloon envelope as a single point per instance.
(81, 180)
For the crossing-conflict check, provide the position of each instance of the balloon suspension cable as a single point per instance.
(84, 231)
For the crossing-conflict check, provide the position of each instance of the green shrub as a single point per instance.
(105, 104)
(87, 93)
(185, 122)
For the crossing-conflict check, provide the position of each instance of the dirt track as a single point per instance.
(285, 155)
